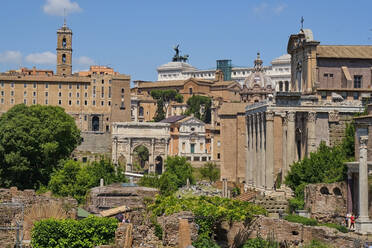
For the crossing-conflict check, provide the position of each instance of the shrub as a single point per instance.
(69, 233)
(316, 244)
(210, 172)
(296, 204)
(260, 243)
(149, 180)
(340, 228)
(299, 219)
(205, 242)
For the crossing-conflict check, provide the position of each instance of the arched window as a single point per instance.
(122, 90)
(280, 86)
(64, 42)
(141, 111)
(63, 58)
(95, 123)
(286, 86)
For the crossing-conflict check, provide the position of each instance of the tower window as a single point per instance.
(46, 85)
(63, 58)
(46, 93)
(85, 102)
(64, 42)
(122, 90)
(357, 81)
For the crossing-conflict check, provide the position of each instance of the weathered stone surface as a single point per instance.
(235, 234)
(115, 195)
(327, 202)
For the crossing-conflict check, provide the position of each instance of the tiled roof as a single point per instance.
(173, 119)
(353, 52)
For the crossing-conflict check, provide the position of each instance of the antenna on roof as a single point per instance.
(64, 17)
(302, 22)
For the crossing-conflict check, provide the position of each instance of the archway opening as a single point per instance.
(158, 165)
(141, 158)
(95, 123)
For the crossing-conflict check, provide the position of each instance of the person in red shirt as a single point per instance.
(352, 221)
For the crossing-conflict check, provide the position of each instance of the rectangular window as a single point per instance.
(2, 100)
(86, 94)
(356, 95)
(86, 86)
(46, 101)
(94, 91)
(331, 75)
(46, 85)
(94, 103)
(12, 85)
(218, 156)
(34, 93)
(69, 102)
(25, 101)
(2, 93)
(59, 102)
(324, 95)
(325, 74)
(25, 93)
(69, 94)
(109, 92)
(77, 94)
(59, 86)
(59, 94)
(109, 103)
(109, 81)
(12, 93)
(70, 86)
(34, 85)
(102, 103)
(33, 101)
(357, 81)
(78, 102)
(192, 148)
(94, 81)
(46, 93)
(103, 92)
(85, 102)
(25, 85)
(2, 84)
(85, 118)
(78, 86)
(103, 81)
(12, 101)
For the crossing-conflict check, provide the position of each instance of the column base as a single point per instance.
(363, 226)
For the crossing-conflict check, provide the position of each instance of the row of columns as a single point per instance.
(260, 139)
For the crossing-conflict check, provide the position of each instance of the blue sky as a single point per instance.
(135, 37)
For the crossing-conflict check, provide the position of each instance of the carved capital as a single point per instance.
(269, 115)
(363, 141)
(333, 116)
(311, 116)
(291, 116)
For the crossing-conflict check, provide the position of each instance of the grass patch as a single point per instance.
(313, 222)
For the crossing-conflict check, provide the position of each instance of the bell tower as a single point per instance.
(64, 51)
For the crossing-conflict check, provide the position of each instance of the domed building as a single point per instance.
(258, 85)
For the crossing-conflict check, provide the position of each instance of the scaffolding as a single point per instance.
(225, 66)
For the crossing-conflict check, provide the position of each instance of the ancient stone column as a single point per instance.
(248, 156)
(291, 132)
(258, 153)
(251, 151)
(349, 190)
(254, 150)
(284, 147)
(269, 173)
(311, 137)
(363, 179)
(263, 150)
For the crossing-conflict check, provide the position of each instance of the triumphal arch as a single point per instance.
(152, 139)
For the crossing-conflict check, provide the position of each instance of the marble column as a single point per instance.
(311, 136)
(284, 147)
(349, 190)
(363, 179)
(247, 163)
(254, 150)
(291, 134)
(258, 154)
(263, 150)
(269, 150)
(251, 151)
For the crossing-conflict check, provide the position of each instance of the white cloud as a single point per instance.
(84, 61)
(45, 58)
(265, 9)
(57, 7)
(11, 57)
(279, 9)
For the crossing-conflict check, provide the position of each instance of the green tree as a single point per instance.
(32, 141)
(200, 107)
(210, 172)
(142, 153)
(75, 178)
(164, 98)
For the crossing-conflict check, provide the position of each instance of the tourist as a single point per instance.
(347, 220)
(352, 221)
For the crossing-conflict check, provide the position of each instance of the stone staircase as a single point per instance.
(247, 196)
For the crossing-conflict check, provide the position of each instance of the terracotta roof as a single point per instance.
(353, 52)
(173, 119)
(232, 108)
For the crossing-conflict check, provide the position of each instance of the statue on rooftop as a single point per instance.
(177, 57)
